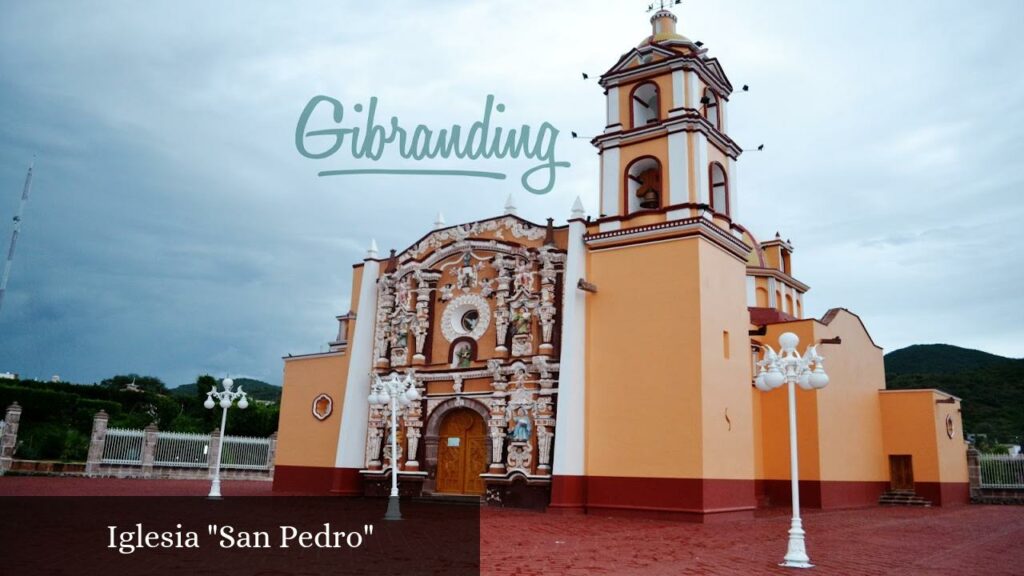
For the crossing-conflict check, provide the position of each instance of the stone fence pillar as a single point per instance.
(149, 449)
(974, 472)
(9, 438)
(272, 454)
(214, 452)
(96, 441)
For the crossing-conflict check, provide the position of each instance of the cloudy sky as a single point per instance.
(174, 229)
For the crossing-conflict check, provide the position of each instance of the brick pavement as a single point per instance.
(874, 541)
(961, 541)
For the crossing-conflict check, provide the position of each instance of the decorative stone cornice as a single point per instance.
(699, 226)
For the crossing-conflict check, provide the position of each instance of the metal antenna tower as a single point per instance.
(14, 235)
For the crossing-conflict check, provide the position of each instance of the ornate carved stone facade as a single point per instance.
(472, 311)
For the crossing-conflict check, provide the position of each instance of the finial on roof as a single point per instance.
(392, 263)
(510, 205)
(439, 221)
(372, 252)
(577, 209)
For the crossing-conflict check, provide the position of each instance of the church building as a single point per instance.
(607, 365)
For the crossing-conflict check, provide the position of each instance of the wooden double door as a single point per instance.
(461, 453)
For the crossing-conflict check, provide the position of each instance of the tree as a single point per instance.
(144, 383)
(204, 384)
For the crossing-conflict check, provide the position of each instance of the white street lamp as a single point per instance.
(396, 392)
(226, 398)
(793, 369)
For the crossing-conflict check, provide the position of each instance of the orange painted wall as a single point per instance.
(775, 417)
(643, 362)
(851, 435)
(916, 425)
(302, 439)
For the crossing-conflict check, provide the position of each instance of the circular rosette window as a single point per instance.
(466, 316)
(323, 405)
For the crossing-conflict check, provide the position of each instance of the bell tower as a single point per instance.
(661, 389)
(665, 147)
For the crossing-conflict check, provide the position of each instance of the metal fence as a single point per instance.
(999, 471)
(123, 446)
(245, 453)
(182, 449)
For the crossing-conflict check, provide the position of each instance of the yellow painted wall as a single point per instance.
(851, 435)
(643, 362)
(952, 452)
(303, 440)
(727, 419)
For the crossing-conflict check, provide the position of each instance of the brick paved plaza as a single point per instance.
(941, 541)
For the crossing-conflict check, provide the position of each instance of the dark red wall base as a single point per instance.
(303, 479)
(347, 482)
(318, 480)
(693, 499)
(944, 493)
(568, 494)
(833, 494)
(827, 494)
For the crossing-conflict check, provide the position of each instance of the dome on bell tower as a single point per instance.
(663, 27)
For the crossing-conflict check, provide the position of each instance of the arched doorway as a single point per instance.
(461, 453)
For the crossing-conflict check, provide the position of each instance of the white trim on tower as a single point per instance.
(610, 195)
(678, 168)
(614, 122)
(700, 168)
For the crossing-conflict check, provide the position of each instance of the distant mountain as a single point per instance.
(991, 386)
(256, 389)
(939, 358)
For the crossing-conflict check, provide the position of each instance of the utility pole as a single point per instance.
(14, 235)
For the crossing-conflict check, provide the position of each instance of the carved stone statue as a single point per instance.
(521, 426)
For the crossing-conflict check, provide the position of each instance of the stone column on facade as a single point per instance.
(213, 453)
(501, 312)
(412, 436)
(97, 440)
(974, 472)
(423, 291)
(497, 424)
(149, 439)
(9, 439)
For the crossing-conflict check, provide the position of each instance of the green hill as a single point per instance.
(991, 386)
(256, 389)
(939, 359)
